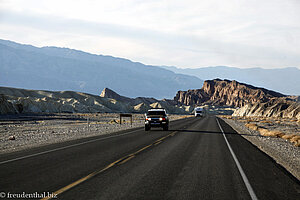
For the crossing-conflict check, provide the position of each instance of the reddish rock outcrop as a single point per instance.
(225, 92)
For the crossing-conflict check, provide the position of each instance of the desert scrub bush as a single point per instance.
(262, 118)
(113, 121)
(266, 122)
(288, 136)
(226, 116)
(252, 126)
(251, 120)
(270, 133)
(296, 140)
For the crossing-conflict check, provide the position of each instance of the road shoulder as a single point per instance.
(283, 152)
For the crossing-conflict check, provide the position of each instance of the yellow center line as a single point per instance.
(142, 149)
(81, 180)
(172, 134)
(124, 161)
(119, 162)
(161, 139)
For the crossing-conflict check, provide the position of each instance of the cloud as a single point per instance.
(186, 34)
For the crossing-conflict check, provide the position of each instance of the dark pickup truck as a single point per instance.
(156, 118)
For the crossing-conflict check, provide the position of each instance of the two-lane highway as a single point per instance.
(198, 158)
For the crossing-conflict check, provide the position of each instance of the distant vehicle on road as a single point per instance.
(199, 112)
(156, 118)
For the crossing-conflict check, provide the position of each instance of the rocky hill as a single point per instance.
(280, 107)
(13, 100)
(6, 107)
(224, 92)
(108, 93)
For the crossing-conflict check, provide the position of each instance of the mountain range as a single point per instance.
(284, 80)
(60, 69)
(216, 96)
(17, 101)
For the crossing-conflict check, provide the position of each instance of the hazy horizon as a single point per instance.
(179, 67)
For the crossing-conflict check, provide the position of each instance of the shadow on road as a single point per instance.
(212, 132)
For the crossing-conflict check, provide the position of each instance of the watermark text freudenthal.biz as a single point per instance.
(24, 195)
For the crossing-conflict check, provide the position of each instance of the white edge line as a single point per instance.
(245, 179)
(65, 147)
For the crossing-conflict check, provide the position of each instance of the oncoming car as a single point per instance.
(199, 112)
(156, 118)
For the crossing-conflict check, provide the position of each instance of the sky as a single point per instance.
(185, 34)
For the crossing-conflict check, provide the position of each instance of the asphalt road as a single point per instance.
(198, 158)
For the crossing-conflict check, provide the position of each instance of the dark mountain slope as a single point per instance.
(52, 68)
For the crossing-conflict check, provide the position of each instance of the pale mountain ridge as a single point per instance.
(16, 101)
(53, 68)
(284, 80)
(273, 108)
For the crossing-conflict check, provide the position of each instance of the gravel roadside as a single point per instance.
(282, 151)
(24, 132)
